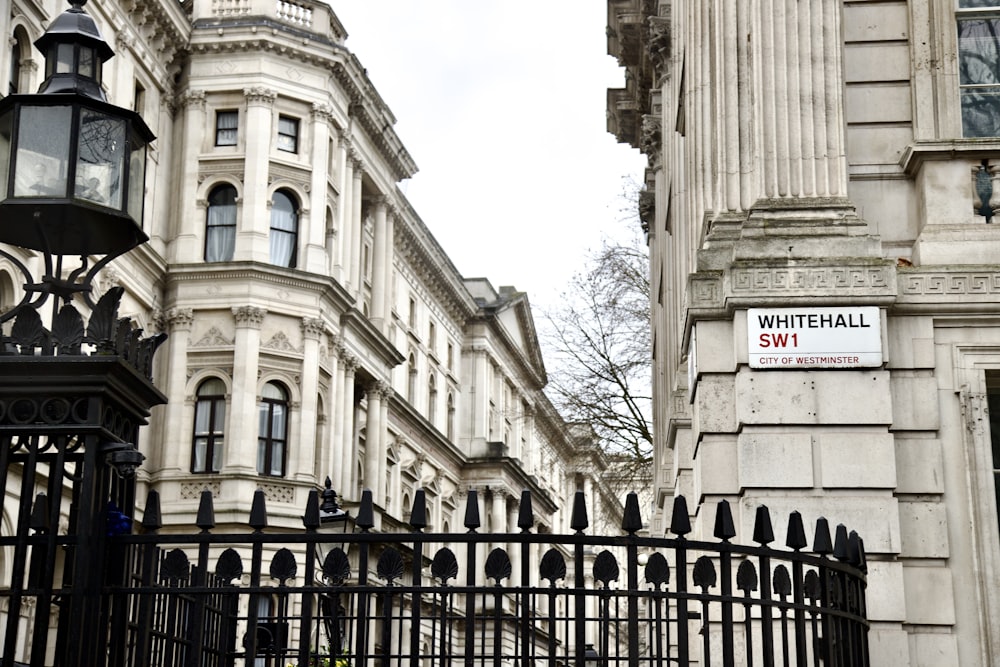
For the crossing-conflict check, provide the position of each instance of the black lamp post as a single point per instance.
(72, 169)
(72, 166)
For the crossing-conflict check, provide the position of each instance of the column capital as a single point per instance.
(313, 327)
(180, 319)
(321, 112)
(193, 99)
(260, 95)
(379, 389)
(249, 316)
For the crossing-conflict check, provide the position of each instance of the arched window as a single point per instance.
(18, 50)
(284, 229)
(209, 427)
(411, 379)
(220, 224)
(272, 430)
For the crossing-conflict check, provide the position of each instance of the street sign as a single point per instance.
(834, 337)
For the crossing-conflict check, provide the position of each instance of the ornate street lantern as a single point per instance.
(72, 166)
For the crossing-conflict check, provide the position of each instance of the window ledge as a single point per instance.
(971, 149)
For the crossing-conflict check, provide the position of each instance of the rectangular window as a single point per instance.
(979, 66)
(139, 99)
(288, 134)
(226, 124)
(993, 402)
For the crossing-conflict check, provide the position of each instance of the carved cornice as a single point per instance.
(970, 286)
(322, 111)
(249, 316)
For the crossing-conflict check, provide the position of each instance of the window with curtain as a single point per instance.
(288, 134)
(284, 229)
(220, 224)
(226, 125)
(979, 66)
(209, 427)
(272, 430)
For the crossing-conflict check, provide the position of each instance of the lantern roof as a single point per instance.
(75, 25)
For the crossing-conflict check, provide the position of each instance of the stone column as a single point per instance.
(189, 241)
(339, 258)
(380, 262)
(302, 459)
(175, 454)
(373, 443)
(345, 451)
(383, 443)
(352, 243)
(241, 440)
(314, 259)
(253, 237)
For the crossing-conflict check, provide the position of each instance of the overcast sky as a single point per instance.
(501, 103)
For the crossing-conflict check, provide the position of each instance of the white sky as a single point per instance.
(501, 103)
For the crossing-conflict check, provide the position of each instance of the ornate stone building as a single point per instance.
(316, 328)
(810, 162)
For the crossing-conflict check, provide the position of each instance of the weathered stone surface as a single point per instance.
(856, 460)
(777, 460)
(919, 465)
(914, 402)
(930, 597)
(715, 472)
(911, 342)
(813, 397)
(923, 529)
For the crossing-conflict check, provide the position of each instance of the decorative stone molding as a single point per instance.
(123, 41)
(280, 342)
(180, 319)
(213, 338)
(313, 327)
(322, 111)
(194, 99)
(249, 316)
(658, 45)
(191, 490)
(651, 139)
(647, 209)
(948, 284)
(260, 95)
(280, 493)
(379, 389)
(854, 279)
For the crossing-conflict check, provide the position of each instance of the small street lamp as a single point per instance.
(72, 165)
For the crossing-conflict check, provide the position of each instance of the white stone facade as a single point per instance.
(807, 153)
(293, 276)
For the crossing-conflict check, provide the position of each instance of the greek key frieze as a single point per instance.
(771, 279)
(949, 284)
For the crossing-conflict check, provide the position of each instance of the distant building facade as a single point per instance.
(316, 328)
(809, 161)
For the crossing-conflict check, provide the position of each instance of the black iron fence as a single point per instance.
(324, 596)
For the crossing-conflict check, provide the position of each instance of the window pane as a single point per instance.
(288, 133)
(198, 462)
(202, 413)
(225, 128)
(979, 51)
(981, 112)
(217, 455)
(964, 4)
(277, 456)
(220, 235)
(42, 152)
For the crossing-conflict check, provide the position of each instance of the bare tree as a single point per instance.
(598, 347)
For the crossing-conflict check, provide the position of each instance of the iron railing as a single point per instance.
(311, 597)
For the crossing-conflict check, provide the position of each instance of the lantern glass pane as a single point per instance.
(136, 179)
(43, 137)
(64, 59)
(86, 62)
(100, 159)
(5, 131)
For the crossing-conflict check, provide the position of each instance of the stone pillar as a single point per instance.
(314, 259)
(339, 258)
(352, 243)
(302, 459)
(241, 440)
(175, 454)
(188, 244)
(253, 237)
(345, 451)
(382, 244)
(373, 443)
(383, 443)
(803, 116)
